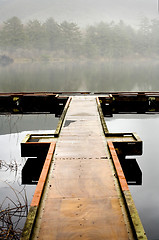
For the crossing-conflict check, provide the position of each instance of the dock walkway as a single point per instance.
(82, 198)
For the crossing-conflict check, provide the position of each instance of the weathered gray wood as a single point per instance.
(82, 200)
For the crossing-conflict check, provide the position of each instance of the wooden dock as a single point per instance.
(86, 195)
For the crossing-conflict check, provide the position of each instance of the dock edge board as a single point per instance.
(133, 215)
(104, 126)
(30, 221)
(137, 226)
(61, 120)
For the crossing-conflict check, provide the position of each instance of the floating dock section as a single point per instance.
(82, 192)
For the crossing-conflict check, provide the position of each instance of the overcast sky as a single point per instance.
(83, 12)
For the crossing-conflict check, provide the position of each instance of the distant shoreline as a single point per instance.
(12, 58)
(82, 60)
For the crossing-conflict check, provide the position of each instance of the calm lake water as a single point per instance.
(83, 76)
(146, 196)
(13, 129)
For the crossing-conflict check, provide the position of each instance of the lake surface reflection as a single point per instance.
(146, 196)
(94, 76)
(13, 129)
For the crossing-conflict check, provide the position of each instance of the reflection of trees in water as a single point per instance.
(12, 166)
(18, 124)
(87, 76)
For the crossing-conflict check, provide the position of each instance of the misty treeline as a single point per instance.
(67, 39)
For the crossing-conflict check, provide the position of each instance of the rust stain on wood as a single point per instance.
(40, 186)
(82, 200)
(118, 167)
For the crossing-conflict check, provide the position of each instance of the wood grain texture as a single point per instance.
(82, 200)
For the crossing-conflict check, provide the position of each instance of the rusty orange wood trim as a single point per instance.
(35, 143)
(43, 176)
(120, 173)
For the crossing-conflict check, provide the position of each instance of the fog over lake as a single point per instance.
(81, 12)
(90, 76)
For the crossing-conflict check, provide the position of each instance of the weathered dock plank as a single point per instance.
(82, 198)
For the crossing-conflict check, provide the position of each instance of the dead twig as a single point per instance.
(11, 215)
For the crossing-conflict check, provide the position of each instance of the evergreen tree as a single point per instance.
(53, 34)
(154, 36)
(143, 37)
(90, 45)
(35, 35)
(12, 34)
(71, 38)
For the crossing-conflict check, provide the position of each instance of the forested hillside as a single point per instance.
(67, 39)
